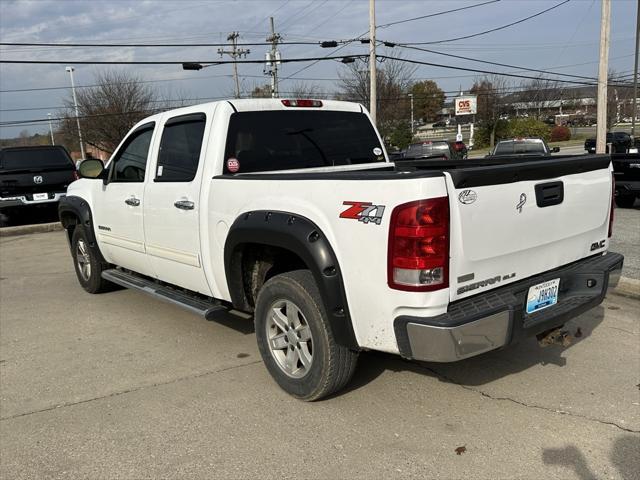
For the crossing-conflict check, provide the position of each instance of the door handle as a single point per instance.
(133, 201)
(184, 205)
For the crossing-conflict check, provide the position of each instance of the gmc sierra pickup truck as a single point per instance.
(288, 211)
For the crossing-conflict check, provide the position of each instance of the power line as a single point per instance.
(491, 30)
(436, 14)
(174, 62)
(547, 72)
(142, 45)
(486, 72)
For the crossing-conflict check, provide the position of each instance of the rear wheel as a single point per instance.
(295, 340)
(88, 263)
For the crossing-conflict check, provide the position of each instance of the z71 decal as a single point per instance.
(364, 212)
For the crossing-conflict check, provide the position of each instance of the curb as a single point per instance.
(628, 287)
(28, 229)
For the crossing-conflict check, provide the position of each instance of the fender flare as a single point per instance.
(80, 209)
(302, 237)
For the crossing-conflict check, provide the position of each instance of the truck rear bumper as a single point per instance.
(27, 200)
(497, 318)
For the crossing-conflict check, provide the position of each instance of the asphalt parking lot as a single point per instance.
(120, 385)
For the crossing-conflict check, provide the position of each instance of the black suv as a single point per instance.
(33, 176)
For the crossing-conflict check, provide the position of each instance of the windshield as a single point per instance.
(530, 147)
(427, 149)
(283, 140)
(34, 158)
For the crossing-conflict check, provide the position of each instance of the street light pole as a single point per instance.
(75, 103)
(635, 74)
(411, 97)
(53, 142)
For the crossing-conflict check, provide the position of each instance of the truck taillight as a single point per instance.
(301, 102)
(613, 204)
(418, 258)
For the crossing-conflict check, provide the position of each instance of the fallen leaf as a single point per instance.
(578, 333)
(461, 450)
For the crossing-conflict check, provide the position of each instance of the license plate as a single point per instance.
(543, 295)
(40, 196)
(633, 150)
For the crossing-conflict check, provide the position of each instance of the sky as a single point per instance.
(564, 40)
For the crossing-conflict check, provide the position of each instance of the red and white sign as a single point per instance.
(233, 165)
(466, 105)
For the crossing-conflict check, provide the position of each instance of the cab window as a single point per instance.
(180, 148)
(130, 162)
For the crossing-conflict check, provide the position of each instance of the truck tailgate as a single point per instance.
(513, 221)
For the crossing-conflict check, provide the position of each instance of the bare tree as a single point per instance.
(393, 80)
(492, 102)
(538, 95)
(109, 110)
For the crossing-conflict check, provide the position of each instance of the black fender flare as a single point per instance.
(302, 237)
(81, 210)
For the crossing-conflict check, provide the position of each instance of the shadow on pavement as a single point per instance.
(29, 215)
(624, 456)
(484, 368)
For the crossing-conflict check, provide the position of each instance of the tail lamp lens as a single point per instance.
(419, 246)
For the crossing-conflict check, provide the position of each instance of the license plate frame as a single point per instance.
(542, 295)
(41, 196)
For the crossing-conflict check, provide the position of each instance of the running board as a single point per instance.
(211, 310)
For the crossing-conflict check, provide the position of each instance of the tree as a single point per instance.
(491, 102)
(428, 100)
(393, 81)
(539, 95)
(401, 135)
(109, 110)
(261, 91)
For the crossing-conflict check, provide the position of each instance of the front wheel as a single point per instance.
(88, 263)
(295, 340)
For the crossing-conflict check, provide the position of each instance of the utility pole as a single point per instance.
(273, 59)
(75, 103)
(234, 53)
(411, 97)
(53, 142)
(601, 132)
(372, 60)
(635, 74)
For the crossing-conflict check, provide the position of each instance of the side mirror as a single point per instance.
(91, 168)
(555, 149)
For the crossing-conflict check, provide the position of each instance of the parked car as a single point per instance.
(626, 171)
(33, 177)
(620, 142)
(429, 149)
(522, 147)
(440, 124)
(289, 212)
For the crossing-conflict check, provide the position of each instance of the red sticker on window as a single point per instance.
(233, 165)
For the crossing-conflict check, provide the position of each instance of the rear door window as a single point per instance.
(294, 139)
(180, 148)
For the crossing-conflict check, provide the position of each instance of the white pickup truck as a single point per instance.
(288, 211)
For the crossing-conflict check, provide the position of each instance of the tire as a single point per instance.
(625, 201)
(88, 263)
(295, 339)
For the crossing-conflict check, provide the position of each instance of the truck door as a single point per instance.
(118, 205)
(172, 209)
